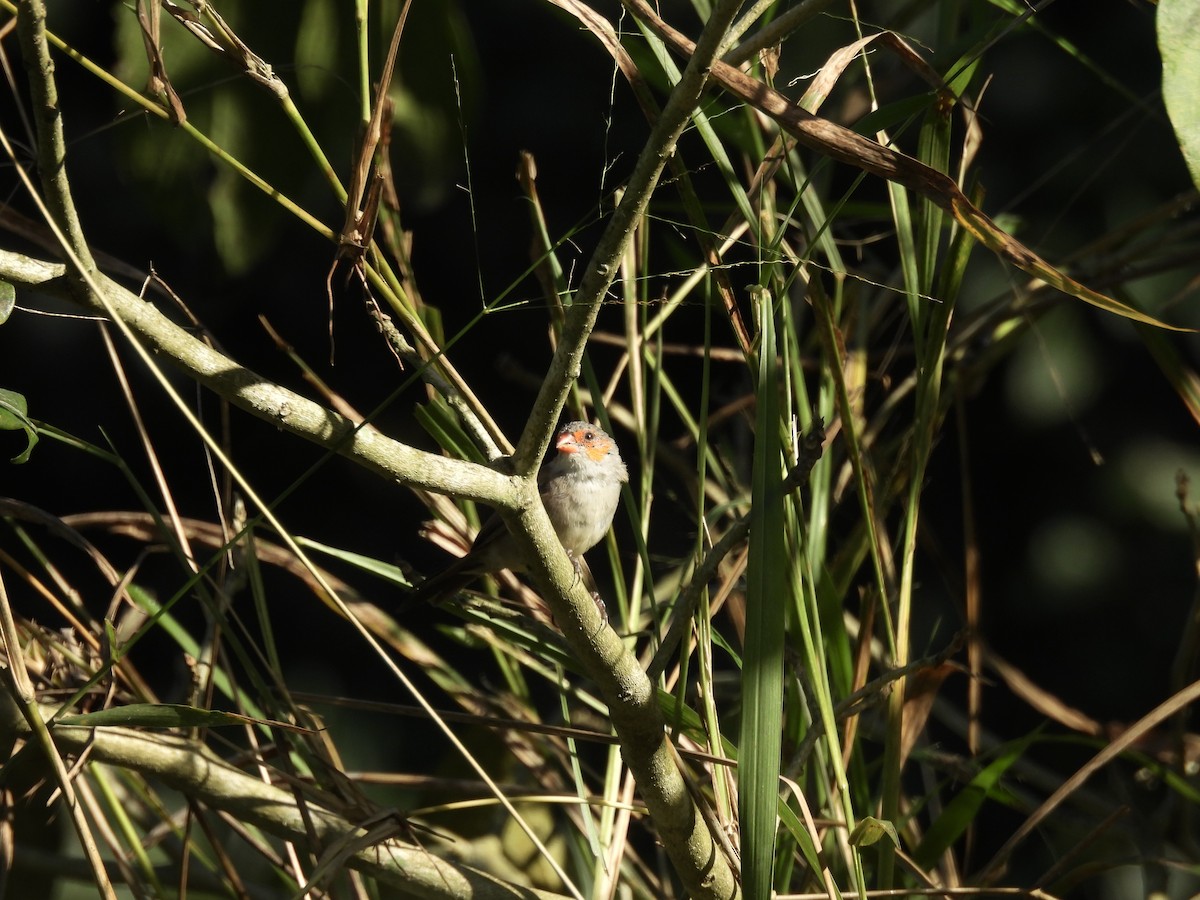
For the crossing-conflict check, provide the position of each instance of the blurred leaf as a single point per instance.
(171, 165)
(244, 224)
(180, 175)
(962, 810)
(1179, 43)
(13, 409)
(1182, 376)
(8, 299)
(871, 830)
(317, 38)
(437, 94)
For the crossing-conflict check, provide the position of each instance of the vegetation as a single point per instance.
(856, 594)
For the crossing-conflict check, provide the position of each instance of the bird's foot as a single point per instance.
(600, 607)
(577, 562)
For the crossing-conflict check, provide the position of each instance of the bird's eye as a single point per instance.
(589, 436)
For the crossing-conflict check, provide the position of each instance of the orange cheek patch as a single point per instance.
(597, 452)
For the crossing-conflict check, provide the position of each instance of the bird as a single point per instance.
(580, 486)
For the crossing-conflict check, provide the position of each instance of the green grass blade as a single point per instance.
(164, 715)
(766, 598)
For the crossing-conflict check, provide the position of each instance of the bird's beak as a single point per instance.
(567, 443)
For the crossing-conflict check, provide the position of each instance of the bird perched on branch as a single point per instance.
(580, 487)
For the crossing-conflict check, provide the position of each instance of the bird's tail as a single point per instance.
(440, 586)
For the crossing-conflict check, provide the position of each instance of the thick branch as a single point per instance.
(195, 771)
(698, 859)
(51, 145)
(285, 409)
(702, 865)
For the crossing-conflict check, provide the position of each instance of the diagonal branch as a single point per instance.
(195, 771)
(632, 701)
(698, 858)
(602, 267)
(249, 391)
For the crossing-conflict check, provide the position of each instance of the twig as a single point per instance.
(602, 267)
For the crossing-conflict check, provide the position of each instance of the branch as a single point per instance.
(51, 145)
(698, 858)
(602, 267)
(194, 770)
(283, 408)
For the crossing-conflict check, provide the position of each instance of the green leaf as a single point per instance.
(871, 830)
(13, 409)
(1179, 43)
(895, 115)
(380, 569)
(8, 299)
(800, 834)
(165, 715)
(317, 50)
(441, 422)
(767, 594)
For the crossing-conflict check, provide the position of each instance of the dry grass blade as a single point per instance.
(853, 149)
(149, 14)
(21, 703)
(1045, 703)
(359, 225)
(1115, 748)
(613, 747)
(224, 42)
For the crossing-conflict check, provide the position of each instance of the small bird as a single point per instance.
(580, 488)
